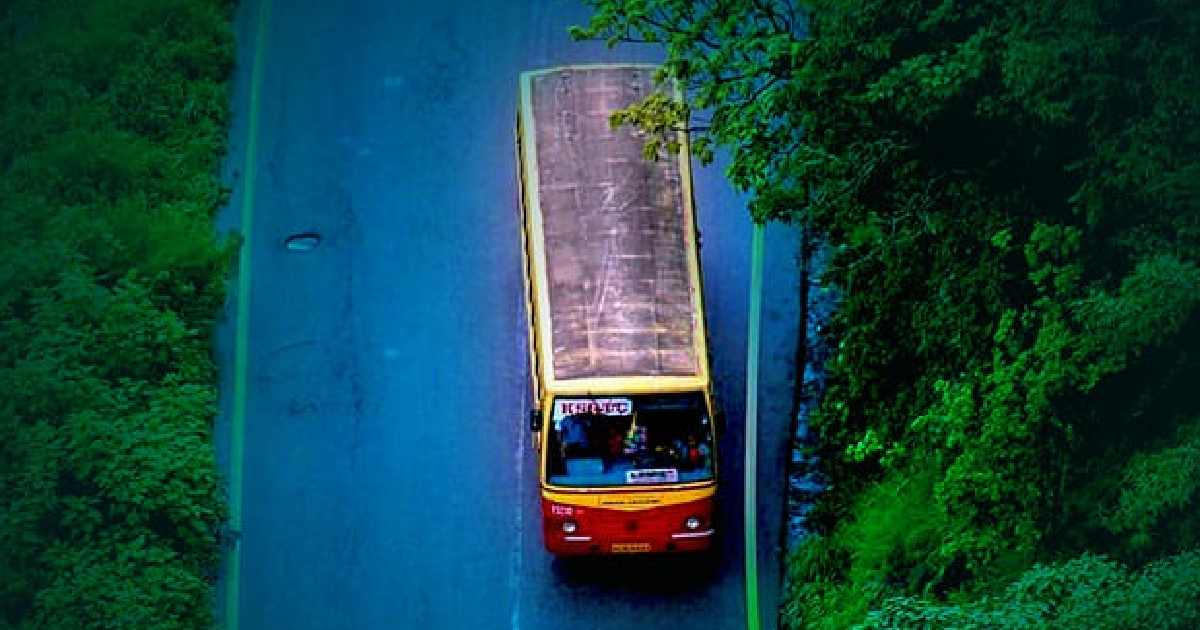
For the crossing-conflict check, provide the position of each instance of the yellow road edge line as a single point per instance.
(242, 334)
(751, 478)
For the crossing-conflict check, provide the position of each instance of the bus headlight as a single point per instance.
(692, 523)
(569, 527)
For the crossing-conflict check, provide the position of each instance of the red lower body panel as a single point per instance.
(655, 529)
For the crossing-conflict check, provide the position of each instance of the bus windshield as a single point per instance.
(631, 440)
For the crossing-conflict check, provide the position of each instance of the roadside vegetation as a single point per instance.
(112, 124)
(1011, 421)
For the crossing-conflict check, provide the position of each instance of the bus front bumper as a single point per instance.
(561, 544)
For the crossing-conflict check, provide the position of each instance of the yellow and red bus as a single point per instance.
(624, 419)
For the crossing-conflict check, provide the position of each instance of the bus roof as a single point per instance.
(612, 245)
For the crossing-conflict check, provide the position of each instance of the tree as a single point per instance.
(1086, 593)
(113, 118)
(1009, 190)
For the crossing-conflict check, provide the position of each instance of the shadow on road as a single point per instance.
(643, 574)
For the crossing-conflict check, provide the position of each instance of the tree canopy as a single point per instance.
(1010, 192)
(113, 115)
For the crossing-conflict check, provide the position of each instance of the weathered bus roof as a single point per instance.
(612, 243)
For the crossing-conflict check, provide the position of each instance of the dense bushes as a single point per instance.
(1086, 592)
(1010, 189)
(113, 121)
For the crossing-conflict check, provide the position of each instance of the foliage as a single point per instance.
(1089, 592)
(114, 116)
(736, 58)
(891, 542)
(1156, 484)
(1010, 192)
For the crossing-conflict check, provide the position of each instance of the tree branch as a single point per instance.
(762, 89)
(662, 26)
(768, 11)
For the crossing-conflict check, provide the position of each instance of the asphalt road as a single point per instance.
(387, 479)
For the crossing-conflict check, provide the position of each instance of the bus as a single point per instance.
(624, 420)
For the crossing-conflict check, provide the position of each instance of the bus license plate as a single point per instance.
(630, 547)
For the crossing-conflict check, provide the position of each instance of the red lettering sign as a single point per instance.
(598, 406)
